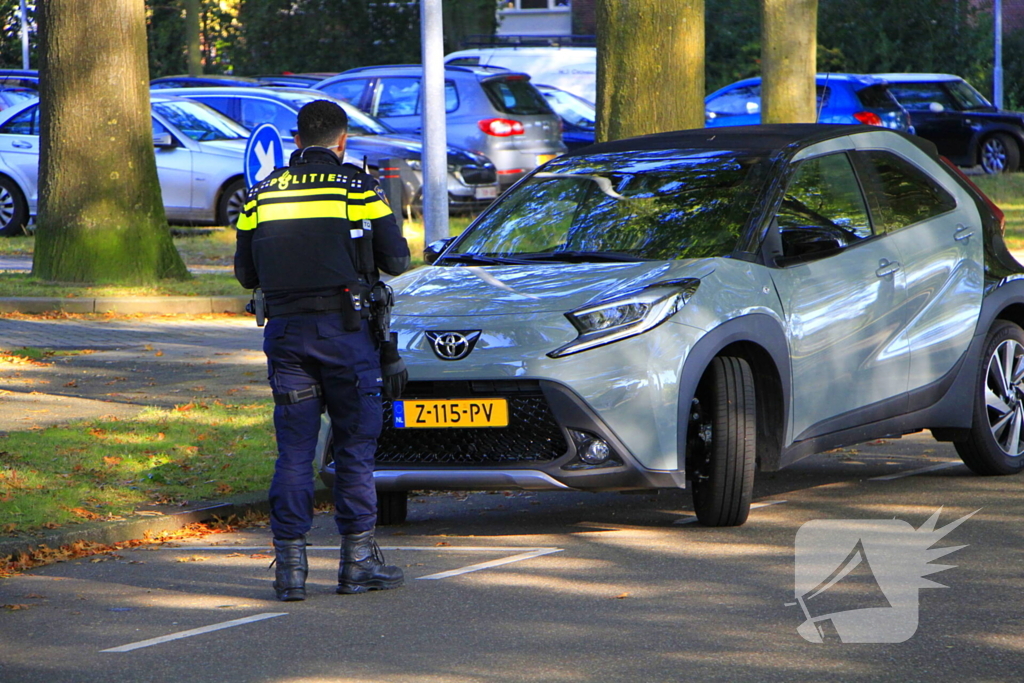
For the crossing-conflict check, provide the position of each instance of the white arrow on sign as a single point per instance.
(265, 155)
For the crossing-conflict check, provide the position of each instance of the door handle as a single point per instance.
(886, 267)
(21, 144)
(962, 233)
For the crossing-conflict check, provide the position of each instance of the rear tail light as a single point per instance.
(868, 118)
(501, 128)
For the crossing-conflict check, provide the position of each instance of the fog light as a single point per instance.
(595, 452)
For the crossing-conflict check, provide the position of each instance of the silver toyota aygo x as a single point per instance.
(682, 309)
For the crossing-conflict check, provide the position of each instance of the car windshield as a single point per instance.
(359, 123)
(198, 121)
(966, 96)
(634, 206)
(574, 110)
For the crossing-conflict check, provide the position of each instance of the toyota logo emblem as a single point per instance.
(453, 345)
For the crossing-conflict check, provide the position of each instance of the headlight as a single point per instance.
(626, 315)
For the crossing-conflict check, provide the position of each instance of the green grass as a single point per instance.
(217, 284)
(104, 469)
(1007, 191)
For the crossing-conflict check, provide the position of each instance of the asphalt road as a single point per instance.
(572, 587)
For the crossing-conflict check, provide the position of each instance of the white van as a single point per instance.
(573, 69)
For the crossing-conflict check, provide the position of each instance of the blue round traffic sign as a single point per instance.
(263, 153)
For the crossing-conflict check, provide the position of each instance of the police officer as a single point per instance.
(304, 237)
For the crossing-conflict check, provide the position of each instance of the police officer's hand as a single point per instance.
(392, 369)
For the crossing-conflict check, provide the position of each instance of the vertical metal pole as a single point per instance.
(24, 35)
(997, 72)
(435, 135)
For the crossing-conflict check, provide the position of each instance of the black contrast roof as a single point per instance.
(754, 139)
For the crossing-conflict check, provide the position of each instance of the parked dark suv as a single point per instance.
(965, 126)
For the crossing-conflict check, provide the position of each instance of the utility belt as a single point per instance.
(350, 302)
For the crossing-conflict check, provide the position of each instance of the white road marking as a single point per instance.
(535, 552)
(195, 632)
(922, 470)
(522, 553)
(690, 519)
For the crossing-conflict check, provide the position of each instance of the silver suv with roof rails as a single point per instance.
(493, 111)
(680, 310)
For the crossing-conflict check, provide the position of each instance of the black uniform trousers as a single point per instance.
(304, 350)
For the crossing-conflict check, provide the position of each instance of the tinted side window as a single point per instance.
(823, 207)
(920, 96)
(901, 193)
(876, 97)
(397, 97)
(221, 104)
(254, 112)
(747, 100)
(25, 123)
(515, 95)
(350, 91)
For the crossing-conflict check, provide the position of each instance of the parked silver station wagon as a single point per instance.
(678, 310)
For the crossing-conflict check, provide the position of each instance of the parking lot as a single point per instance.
(547, 587)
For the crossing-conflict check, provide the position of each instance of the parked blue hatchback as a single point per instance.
(842, 98)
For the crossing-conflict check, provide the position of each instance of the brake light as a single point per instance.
(501, 128)
(868, 118)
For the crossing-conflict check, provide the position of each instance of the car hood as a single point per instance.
(446, 291)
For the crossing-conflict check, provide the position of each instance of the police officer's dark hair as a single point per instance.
(320, 123)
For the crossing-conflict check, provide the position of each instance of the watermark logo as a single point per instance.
(857, 580)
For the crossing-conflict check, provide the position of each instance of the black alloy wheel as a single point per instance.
(231, 203)
(13, 209)
(999, 154)
(996, 441)
(722, 448)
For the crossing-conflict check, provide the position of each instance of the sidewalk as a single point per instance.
(129, 365)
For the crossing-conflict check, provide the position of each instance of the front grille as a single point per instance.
(478, 175)
(532, 435)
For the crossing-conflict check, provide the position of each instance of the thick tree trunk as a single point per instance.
(789, 45)
(650, 66)
(101, 217)
(195, 55)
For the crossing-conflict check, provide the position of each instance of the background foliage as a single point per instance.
(860, 36)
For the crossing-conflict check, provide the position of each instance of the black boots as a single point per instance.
(292, 568)
(362, 566)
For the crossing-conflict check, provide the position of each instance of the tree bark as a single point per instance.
(101, 217)
(650, 67)
(789, 45)
(195, 55)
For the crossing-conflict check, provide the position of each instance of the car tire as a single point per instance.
(722, 449)
(392, 507)
(13, 209)
(231, 203)
(999, 154)
(996, 441)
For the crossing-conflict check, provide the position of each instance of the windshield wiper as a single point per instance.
(582, 256)
(480, 259)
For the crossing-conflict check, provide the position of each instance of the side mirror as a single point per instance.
(163, 140)
(936, 108)
(432, 251)
(809, 242)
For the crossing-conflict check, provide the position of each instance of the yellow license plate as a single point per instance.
(483, 412)
(544, 158)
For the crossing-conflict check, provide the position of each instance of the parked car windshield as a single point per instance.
(966, 96)
(198, 121)
(634, 206)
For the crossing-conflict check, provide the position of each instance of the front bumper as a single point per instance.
(535, 452)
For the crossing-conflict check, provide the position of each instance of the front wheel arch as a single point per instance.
(230, 201)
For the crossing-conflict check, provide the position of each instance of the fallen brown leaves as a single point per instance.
(44, 555)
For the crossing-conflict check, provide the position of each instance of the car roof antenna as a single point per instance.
(821, 104)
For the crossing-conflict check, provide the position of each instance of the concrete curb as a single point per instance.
(138, 527)
(156, 305)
